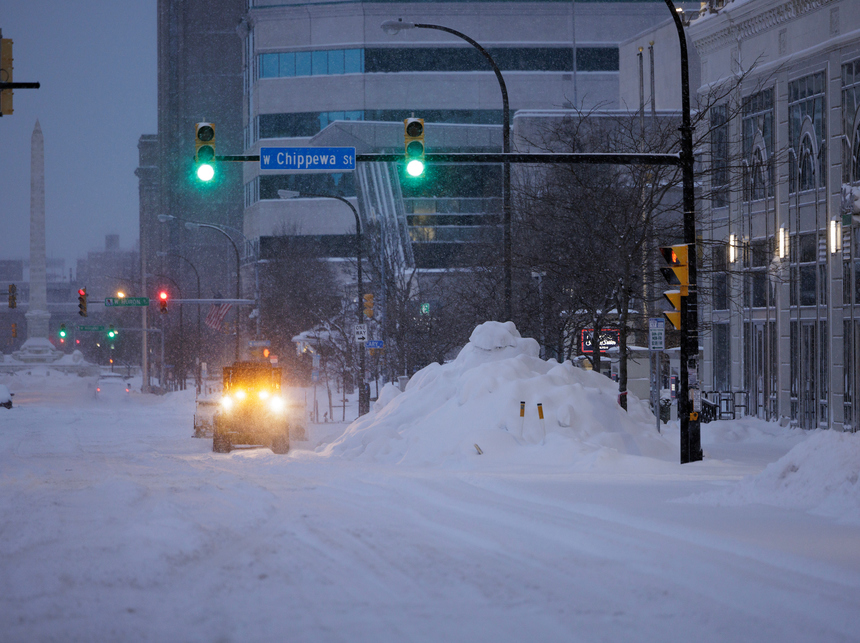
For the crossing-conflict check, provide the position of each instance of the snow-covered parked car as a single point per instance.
(112, 386)
(5, 396)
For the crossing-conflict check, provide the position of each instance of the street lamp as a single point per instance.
(363, 396)
(194, 225)
(393, 27)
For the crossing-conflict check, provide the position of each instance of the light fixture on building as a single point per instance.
(835, 235)
(733, 248)
(783, 243)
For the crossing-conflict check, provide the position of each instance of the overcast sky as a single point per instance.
(96, 61)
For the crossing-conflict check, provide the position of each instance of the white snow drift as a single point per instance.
(447, 409)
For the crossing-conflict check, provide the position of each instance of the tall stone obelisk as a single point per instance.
(37, 349)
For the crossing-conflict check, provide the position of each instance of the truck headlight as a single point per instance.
(240, 394)
(227, 402)
(277, 404)
(264, 395)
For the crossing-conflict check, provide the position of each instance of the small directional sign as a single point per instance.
(360, 333)
(374, 343)
(259, 343)
(315, 375)
(126, 301)
(308, 159)
(94, 329)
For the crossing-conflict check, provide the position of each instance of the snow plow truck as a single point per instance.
(253, 411)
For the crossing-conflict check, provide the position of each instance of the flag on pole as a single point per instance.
(216, 315)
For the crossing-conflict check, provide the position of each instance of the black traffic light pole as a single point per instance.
(691, 443)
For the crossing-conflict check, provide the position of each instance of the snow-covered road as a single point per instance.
(117, 525)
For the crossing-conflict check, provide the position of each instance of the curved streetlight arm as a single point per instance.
(238, 269)
(394, 26)
(506, 133)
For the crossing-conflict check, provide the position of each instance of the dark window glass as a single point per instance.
(808, 247)
(807, 285)
(760, 254)
(759, 289)
(722, 358)
(391, 60)
(597, 59)
(720, 156)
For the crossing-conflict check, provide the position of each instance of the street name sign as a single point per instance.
(656, 334)
(308, 159)
(95, 329)
(126, 301)
(259, 343)
(374, 343)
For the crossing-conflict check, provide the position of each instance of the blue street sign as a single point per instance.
(308, 159)
(315, 375)
(374, 343)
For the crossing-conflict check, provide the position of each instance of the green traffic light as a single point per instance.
(415, 167)
(205, 172)
(62, 331)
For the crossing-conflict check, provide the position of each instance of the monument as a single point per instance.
(37, 349)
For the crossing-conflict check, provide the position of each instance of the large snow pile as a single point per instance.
(819, 474)
(475, 400)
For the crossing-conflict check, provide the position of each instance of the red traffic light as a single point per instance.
(162, 296)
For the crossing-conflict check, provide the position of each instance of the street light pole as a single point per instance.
(363, 396)
(164, 218)
(191, 225)
(394, 26)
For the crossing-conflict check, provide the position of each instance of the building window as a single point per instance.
(758, 178)
(850, 107)
(322, 62)
(380, 60)
(806, 133)
(719, 156)
(720, 277)
(722, 358)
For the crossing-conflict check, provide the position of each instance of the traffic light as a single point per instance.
(13, 296)
(82, 302)
(62, 332)
(162, 301)
(6, 76)
(112, 332)
(413, 141)
(204, 150)
(676, 274)
(368, 305)
(14, 330)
